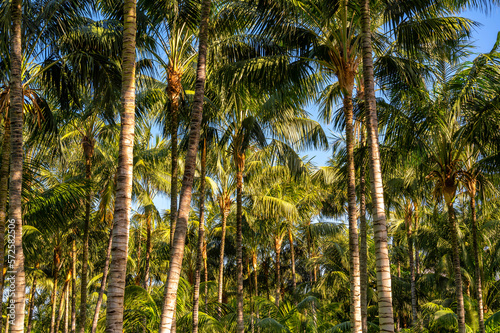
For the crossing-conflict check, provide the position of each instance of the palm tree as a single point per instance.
(170, 296)
(116, 285)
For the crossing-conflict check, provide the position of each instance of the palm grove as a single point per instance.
(108, 105)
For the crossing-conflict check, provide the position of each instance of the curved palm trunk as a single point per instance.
(456, 267)
(384, 288)
(277, 266)
(116, 285)
(88, 150)
(201, 239)
(409, 224)
(177, 251)
(240, 165)
(363, 250)
(103, 283)
(477, 261)
(292, 259)
(4, 182)
(16, 165)
(32, 305)
(354, 274)
(73, 286)
(221, 254)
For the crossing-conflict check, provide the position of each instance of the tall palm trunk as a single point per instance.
(73, 286)
(478, 273)
(363, 250)
(384, 288)
(201, 238)
(4, 182)
(173, 91)
(240, 165)
(277, 266)
(354, 274)
(292, 259)
(66, 311)
(148, 251)
(119, 250)
(409, 236)
(16, 165)
(61, 306)
(103, 283)
(31, 307)
(456, 267)
(205, 271)
(53, 299)
(255, 279)
(177, 252)
(88, 150)
(225, 213)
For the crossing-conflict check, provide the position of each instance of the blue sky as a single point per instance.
(483, 38)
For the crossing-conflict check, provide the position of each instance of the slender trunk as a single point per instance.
(456, 267)
(384, 288)
(255, 279)
(61, 306)
(73, 286)
(4, 182)
(121, 221)
(292, 259)
(66, 316)
(53, 298)
(88, 149)
(137, 280)
(103, 283)
(205, 270)
(16, 168)
(354, 274)
(477, 261)
(277, 266)
(409, 236)
(31, 305)
(177, 252)
(201, 238)
(148, 252)
(363, 250)
(240, 161)
(221, 255)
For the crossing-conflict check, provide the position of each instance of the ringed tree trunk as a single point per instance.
(478, 273)
(4, 181)
(88, 151)
(177, 252)
(201, 239)
(384, 288)
(103, 283)
(121, 217)
(363, 250)
(456, 266)
(16, 166)
(240, 166)
(277, 264)
(354, 274)
(224, 204)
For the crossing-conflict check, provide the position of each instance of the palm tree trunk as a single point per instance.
(240, 165)
(201, 238)
(73, 286)
(16, 165)
(61, 307)
(205, 270)
(66, 316)
(103, 283)
(88, 152)
(221, 255)
(4, 182)
(148, 252)
(54, 291)
(354, 274)
(173, 91)
(409, 236)
(477, 261)
(292, 259)
(31, 307)
(277, 266)
(177, 251)
(363, 250)
(119, 250)
(456, 267)
(384, 288)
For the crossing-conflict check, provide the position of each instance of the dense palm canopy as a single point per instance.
(155, 174)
